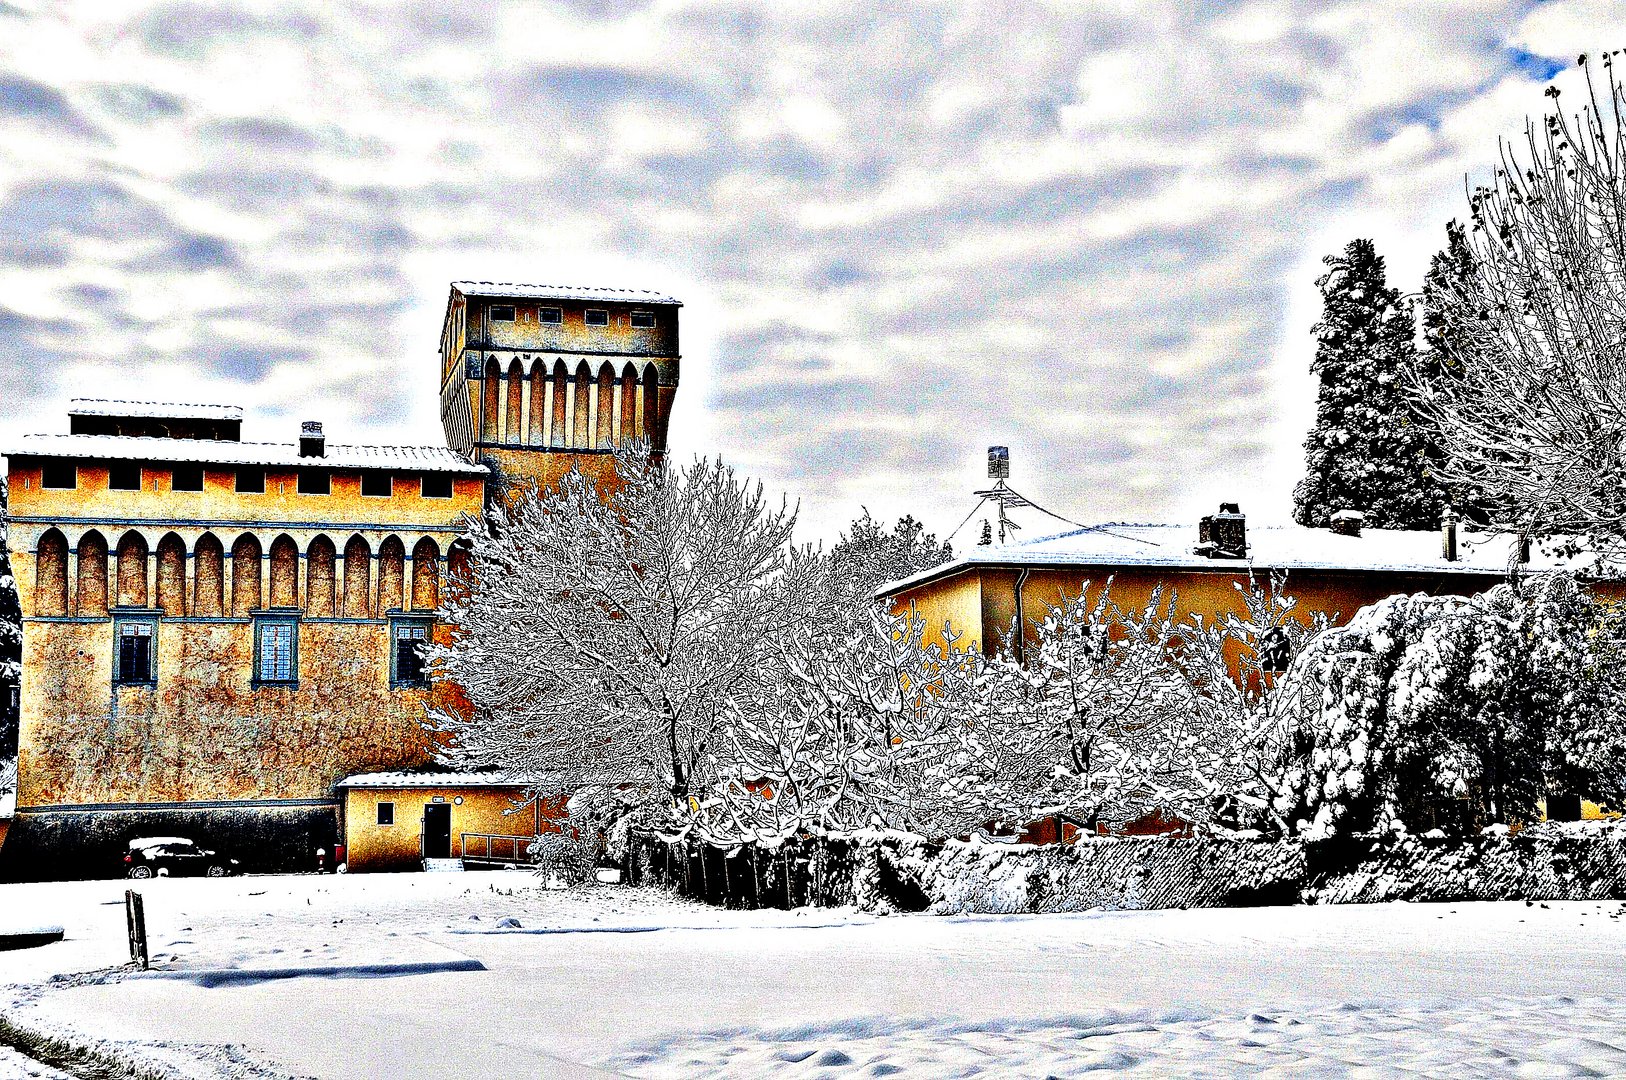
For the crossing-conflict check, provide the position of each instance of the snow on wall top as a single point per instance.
(429, 779)
(211, 452)
(1270, 547)
(158, 410)
(563, 292)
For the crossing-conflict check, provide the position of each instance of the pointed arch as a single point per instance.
(651, 397)
(488, 401)
(90, 590)
(245, 574)
(284, 572)
(604, 428)
(516, 397)
(578, 427)
(171, 598)
(539, 403)
(358, 577)
(561, 394)
(319, 581)
(208, 576)
(132, 588)
(391, 575)
(51, 574)
(459, 570)
(425, 575)
(628, 396)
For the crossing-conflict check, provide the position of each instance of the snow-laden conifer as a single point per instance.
(1365, 451)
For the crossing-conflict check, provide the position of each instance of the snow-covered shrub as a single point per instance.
(1444, 711)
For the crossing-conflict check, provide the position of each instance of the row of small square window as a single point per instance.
(552, 316)
(126, 476)
(276, 653)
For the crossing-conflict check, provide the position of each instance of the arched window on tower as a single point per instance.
(358, 577)
(208, 576)
(579, 429)
(488, 402)
(652, 428)
(171, 575)
(391, 575)
(605, 433)
(90, 590)
(51, 574)
(284, 572)
(132, 570)
(515, 407)
(629, 404)
(561, 394)
(245, 574)
(319, 578)
(459, 570)
(539, 404)
(425, 575)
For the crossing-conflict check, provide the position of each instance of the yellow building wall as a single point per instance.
(980, 602)
(496, 811)
(205, 732)
(219, 501)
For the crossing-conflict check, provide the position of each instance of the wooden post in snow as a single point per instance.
(135, 915)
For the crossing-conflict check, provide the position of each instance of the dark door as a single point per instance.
(437, 831)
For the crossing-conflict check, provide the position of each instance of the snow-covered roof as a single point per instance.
(563, 292)
(222, 452)
(161, 410)
(1270, 547)
(409, 779)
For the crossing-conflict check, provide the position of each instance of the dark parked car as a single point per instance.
(175, 856)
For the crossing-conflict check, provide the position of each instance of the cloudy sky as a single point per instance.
(903, 232)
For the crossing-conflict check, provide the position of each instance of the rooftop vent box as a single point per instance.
(1348, 522)
(311, 441)
(1223, 535)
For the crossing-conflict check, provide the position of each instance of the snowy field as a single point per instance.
(490, 974)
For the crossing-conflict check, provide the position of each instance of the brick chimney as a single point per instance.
(1348, 522)
(311, 441)
(1223, 535)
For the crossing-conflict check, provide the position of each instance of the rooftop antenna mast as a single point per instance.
(1001, 494)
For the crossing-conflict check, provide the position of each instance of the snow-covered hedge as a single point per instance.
(893, 872)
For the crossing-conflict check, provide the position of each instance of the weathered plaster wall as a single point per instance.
(495, 811)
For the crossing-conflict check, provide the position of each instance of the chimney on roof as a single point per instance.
(1448, 535)
(1223, 535)
(311, 441)
(1348, 522)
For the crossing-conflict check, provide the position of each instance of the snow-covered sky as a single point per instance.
(902, 231)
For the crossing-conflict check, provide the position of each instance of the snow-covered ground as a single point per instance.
(491, 974)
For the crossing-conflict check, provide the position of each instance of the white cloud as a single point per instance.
(902, 232)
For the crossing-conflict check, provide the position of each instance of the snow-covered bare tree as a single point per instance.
(1534, 416)
(1365, 451)
(11, 640)
(608, 636)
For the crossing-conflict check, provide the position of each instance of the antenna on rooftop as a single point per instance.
(1002, 494)
(1005, 497)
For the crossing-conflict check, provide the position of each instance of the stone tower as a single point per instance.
(537, 379)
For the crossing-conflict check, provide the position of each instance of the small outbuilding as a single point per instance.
(409, 820)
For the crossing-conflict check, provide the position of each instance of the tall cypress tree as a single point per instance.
(1366, 451)
(1449, 336)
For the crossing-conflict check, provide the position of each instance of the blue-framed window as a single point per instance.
(135, 651)
(408, 637)
(276, 650)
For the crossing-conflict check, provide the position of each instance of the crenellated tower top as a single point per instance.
(536, 379)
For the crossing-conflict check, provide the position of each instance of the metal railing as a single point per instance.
(496, 848)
